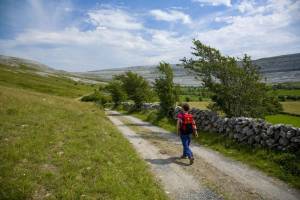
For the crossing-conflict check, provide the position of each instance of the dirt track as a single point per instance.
(212, 176)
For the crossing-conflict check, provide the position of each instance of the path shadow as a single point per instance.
(133, 124)
(167, 161)
(115, 114)
(149, 135)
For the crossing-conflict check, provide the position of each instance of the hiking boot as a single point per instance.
(191, 160)
(183, 157)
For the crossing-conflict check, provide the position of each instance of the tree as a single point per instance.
(237, 87)
(136, 88)
(98, 97)
(116, 91)
(165, 88)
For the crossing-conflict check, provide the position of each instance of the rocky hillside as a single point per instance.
(32, 67)
(285, 68)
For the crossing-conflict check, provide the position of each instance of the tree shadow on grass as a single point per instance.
(167, 161)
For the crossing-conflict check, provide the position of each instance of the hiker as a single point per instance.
(186, 126)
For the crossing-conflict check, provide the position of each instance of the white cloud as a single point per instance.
(262, 31)
(214, 2)
(120, 38)
(107, 45)
(171, 16)
(246, 6)
(114, 18)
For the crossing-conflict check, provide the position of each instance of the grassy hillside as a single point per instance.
(58, 148)
(29, 79)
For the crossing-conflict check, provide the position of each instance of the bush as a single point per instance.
(97, 97)
(136, 87)
(116, 91)
(281, 98)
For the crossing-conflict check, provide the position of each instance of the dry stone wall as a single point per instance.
(251, 131)
(256, 132)
(145, 106)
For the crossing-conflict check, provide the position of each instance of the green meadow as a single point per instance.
(50, 84)
(291, 92)
(55, 147)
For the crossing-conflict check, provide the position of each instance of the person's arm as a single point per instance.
(178, 126)
(195, 129)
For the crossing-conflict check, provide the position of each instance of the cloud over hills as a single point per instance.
(88, 37)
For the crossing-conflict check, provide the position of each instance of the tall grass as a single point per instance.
(58, 148)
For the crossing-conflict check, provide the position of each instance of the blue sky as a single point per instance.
(82, 35)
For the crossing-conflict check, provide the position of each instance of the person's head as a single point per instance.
(185, 107)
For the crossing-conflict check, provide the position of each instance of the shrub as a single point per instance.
(96, 97)
(136, 87)
(116, 91)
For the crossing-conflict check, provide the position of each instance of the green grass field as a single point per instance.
(59, 148)
(55, 147)
(285, 166)
(294, 92)
(199, 104)
(292, 107)
(284, 119)
(56, 85)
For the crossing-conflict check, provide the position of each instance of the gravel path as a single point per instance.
(232, 179)
(177, 183)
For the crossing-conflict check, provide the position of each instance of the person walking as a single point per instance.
(186, 126)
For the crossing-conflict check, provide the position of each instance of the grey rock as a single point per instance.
(284, 141)
(295, 139)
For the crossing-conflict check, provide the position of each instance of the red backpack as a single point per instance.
(188, 125)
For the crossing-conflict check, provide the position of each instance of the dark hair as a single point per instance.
(186, 107)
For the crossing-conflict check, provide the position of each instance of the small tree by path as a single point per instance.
(116, 91)
(165, 88)
(136, 87)
(237, 90)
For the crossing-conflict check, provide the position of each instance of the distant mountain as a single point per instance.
(181, 75)
(285, 63)
(278, 69)
(285, 68)
(24, 63)
(30, 66)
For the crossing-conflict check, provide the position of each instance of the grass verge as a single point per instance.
(284, 119)
(58, 148)
(283, 165)
(55, 85)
